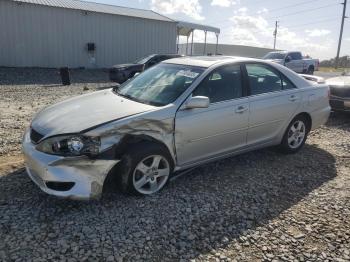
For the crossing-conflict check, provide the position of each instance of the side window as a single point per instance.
(295, 56)
(224, 83)
(162, 58)
(287, 84)
(262, 79)
(153, 61)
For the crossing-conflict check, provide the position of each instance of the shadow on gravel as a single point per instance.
(193, 215)
(50, 77)
(339, 120)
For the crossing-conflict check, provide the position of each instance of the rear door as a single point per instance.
(273, 101)
(204, 133)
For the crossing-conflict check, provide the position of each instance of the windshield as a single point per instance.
(143, 60)
(275, 55)
(161, 84)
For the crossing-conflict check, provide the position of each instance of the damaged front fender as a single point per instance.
(161, 131)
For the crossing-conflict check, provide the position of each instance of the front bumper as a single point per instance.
(339, 103)
(86, 175)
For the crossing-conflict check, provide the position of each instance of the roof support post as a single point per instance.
(187, 44)
(217, 43)
(192, 43)
(205, 43)
(178, 41)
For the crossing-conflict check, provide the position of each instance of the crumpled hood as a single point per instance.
(86, 111)
(278, 61)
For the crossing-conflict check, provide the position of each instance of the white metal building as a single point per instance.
(230, 50)
(73, 33)
(55, 33)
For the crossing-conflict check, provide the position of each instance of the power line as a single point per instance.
(295, 26)
(288, 14)
(291, 26)
(289, 6)
(303, 11)
(312, 23)
(282, 16)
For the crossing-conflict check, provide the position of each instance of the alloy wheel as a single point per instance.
(296, 134)
(151, 174)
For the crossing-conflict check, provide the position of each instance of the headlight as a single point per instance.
(74, 145)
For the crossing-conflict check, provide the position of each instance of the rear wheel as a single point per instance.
(144, 169)
(310, 70)
(296, 135)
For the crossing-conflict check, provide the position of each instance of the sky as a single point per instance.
(311, 26)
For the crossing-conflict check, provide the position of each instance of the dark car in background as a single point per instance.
(339, 93)
(121, 73)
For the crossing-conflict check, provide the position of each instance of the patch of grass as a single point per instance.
(332, 69)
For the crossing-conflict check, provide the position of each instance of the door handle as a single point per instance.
(293, 98)
(241, 109)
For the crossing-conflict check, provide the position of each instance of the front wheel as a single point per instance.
(145, 169)
(295, 135)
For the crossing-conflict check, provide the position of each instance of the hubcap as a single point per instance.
(151, 174)
(296, 134)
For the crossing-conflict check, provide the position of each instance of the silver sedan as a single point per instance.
(179, 114)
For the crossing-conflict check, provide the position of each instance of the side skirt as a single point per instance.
(226, 155)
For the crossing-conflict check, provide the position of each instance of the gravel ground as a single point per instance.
(23, 92)
(260, 206)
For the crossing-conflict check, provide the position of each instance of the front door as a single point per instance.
(204, 133)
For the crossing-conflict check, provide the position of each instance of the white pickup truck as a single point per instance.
(294, 61)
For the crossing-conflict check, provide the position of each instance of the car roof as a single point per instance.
(207, 61)
(284, 51)
(166, 54)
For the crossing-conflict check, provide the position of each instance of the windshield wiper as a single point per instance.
(139, 100)
(127, 96)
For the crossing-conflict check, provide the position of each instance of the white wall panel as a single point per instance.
(230, 50)
(43, 36)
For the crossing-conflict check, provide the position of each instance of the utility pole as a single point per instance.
(341, 33)
(275, 35)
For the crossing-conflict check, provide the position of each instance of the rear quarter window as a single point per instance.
(263, 79)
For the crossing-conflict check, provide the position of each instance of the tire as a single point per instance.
(144, 169)
(310, 70)
(295, 136)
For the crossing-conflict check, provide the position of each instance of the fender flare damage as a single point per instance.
(116, 137)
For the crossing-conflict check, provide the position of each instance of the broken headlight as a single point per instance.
(74, 145)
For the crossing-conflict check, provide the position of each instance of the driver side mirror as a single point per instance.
(288, 59)
(197, 102)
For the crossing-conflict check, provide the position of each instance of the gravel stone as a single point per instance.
(260, 206)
